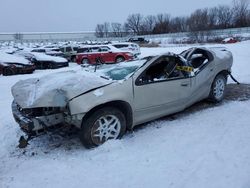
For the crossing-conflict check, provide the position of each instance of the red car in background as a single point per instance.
(11, 65)
(229, 40)
(103, 53)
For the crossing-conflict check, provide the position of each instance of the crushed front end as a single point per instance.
(35, 121)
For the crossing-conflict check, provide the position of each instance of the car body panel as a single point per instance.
(79, 91)
(169, 96)
(12, 64)
(39, 92)
(128, 47)
(107, 54)
(44, 61)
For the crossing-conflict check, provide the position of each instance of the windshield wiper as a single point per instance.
(104, 77)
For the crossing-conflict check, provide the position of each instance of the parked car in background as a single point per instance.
(138, 40)
(49, 51)
(69, 52)
(105, 103)
(11, 65)
(128, 47)
(105, 53)
(43, 61)
(229, 40)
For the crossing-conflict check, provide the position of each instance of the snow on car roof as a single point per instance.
(7, 58)
(113, 49)
(44, 57)
(121, 43)
(228, 39)
(220, 52)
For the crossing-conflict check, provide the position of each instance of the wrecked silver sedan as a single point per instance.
(105, 102)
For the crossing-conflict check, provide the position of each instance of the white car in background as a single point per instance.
(44, 61)
(49, 51)
(128, 47)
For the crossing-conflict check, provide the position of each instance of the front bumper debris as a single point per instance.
(34, 125)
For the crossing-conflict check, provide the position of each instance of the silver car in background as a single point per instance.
(128, 47)
(105, 103)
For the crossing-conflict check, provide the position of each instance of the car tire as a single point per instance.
(217, 91)
(8, 72)
(102, 125)
(73, 59)
(50, 66)
(119, 59)
(85, 61)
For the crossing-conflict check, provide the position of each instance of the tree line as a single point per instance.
(219, 17)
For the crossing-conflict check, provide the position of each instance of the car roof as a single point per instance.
(116, 43)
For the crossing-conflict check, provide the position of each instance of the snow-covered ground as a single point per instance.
(206, 149)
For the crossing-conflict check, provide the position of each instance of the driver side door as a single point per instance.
(157, 94)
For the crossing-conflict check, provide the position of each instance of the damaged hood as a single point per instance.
(56, 89)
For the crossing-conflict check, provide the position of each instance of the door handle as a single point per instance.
(184, 84)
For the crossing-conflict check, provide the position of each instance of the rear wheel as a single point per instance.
(119, 59)
(50, 66)
(85, 61)
(102, 125)
(218, 88)
(8, 72)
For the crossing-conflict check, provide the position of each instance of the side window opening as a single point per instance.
(199, 59)
(164, 69)
(94, 49)
(68, 49)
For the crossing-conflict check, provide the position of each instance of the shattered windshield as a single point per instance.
(122, 70)
(120, 73)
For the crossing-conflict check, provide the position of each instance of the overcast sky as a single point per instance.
(82, 15)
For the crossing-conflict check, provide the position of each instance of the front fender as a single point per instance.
(119, 91)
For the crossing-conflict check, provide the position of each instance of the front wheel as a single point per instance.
(119, 59)
(102, 125)
(218, 89)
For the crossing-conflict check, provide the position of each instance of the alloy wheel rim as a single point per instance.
(120, 59)
(105, 128)
(85, 61)
(219, 88)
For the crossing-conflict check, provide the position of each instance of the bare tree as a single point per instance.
(106, 27)
(99, 31)
(18, 36)
(117, 29)
(149, 24)
(178, 24)
(240, 9)
(212, 16)
(198, 21)
(134, 23)
(162, 24)
(224, 16)
(248, 18)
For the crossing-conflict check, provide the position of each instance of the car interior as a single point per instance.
(164, 69)
(199, 58)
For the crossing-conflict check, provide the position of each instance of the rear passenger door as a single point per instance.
(106, 55)
(203, 75)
